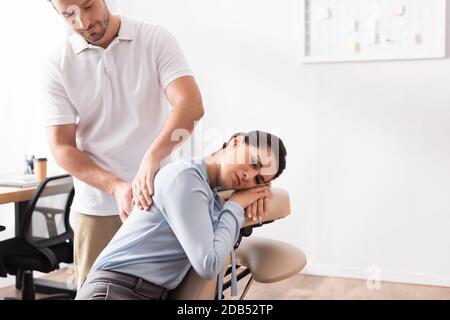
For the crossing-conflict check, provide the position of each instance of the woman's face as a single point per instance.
(244, 166)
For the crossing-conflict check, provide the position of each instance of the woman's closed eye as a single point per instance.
(256, 164)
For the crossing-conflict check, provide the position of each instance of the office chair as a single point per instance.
(45, 238)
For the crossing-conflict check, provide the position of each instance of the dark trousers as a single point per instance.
(111, 285)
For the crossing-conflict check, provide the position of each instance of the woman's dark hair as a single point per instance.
(259, 139)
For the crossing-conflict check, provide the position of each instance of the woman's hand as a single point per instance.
(249, 196)
(258, 209)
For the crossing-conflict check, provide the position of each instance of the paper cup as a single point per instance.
(40, 169)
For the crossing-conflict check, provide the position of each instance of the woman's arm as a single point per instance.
(186, 208)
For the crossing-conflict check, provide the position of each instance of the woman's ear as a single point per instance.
(237, 141)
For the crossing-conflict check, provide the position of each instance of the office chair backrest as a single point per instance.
(46, 220)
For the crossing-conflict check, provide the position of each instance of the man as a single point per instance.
(107, 121)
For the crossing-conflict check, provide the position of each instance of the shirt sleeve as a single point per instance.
(58, 108)
(186, 208)
(171, 63)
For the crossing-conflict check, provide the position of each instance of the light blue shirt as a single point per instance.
(186, 226)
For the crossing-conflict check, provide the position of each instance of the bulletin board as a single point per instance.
(370, 30)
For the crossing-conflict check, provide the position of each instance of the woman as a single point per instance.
(187, 226)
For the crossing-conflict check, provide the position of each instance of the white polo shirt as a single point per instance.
(116, 98)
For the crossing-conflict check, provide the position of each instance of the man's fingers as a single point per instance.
(142, 201)
(123, 216)
(136, 199)
(143, 193)
(150, 180)
(138, 195)
(150, 204)
(126, 205)
(146, 195)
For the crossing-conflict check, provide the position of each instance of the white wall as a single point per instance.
(30, 31)
(367, 143)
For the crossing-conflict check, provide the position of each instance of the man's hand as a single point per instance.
(143, 182)
(124, 196)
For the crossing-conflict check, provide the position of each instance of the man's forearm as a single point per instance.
(183, 116)
(79, 165)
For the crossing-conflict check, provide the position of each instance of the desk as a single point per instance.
(21, 197)
(8, 194)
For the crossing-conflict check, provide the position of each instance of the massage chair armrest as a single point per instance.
(278, 207)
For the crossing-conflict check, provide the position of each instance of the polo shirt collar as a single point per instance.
(126, 32)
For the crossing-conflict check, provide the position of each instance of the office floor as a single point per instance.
(306, 287)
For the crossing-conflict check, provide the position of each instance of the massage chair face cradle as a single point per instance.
(265, 260)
